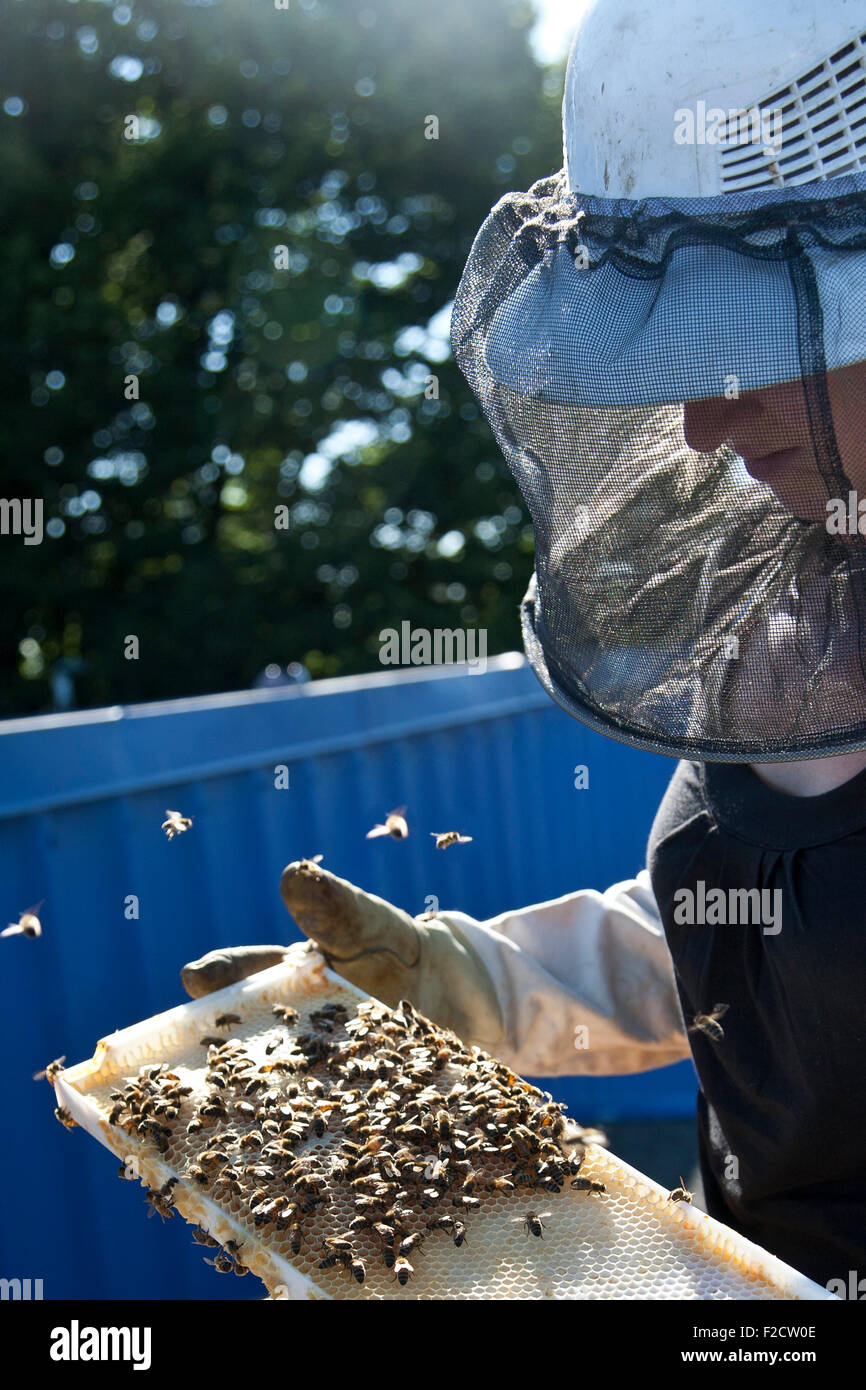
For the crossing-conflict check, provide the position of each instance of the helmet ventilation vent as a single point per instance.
(816, 127)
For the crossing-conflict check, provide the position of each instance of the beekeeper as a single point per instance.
(668, 339)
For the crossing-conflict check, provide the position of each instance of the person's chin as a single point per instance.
(804, 497)
(803, 504)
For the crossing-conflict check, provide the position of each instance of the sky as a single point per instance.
(557, 22)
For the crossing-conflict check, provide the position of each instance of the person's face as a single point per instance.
(769, 429)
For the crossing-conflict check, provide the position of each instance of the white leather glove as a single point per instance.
(585, 983)
(582, 984)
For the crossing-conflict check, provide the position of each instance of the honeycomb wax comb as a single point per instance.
(336, 1148)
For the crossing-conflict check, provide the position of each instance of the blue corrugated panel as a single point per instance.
(82, 797)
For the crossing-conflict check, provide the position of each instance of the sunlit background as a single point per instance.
(169, 380)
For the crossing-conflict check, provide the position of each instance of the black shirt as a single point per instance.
(782, 1128)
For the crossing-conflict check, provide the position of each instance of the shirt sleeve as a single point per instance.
(585, 983)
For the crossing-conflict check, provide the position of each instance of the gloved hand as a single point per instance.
(377, 947)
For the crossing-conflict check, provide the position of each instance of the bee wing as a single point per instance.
(13, 929)
(173, 815)
(398, 811)
(376, 832)
(464, 839)
(719, 1010)
(34, 909)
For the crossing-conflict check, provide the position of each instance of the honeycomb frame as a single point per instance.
(615, 1234)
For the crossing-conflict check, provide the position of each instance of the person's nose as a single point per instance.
(708, 424)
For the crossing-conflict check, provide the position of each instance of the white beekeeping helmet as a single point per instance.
(679, 99)
(668, 340)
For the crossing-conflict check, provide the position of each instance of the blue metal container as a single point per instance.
(82, 798)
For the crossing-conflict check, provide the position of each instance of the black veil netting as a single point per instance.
(679, 387)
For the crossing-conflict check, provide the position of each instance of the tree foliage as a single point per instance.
(171, 376)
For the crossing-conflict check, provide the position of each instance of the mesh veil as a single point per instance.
(678, 386)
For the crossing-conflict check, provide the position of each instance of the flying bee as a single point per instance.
(587, 1185)
(63, 1115)
(285, 1014)
(175, 823)
(402, 1270)
(709, 1023)
(444, 838)
(534, 1223)
(28, 923)
(53, 1070)
(226, 1020)
(681, 1193)
(395, 826)
(211, 1041)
